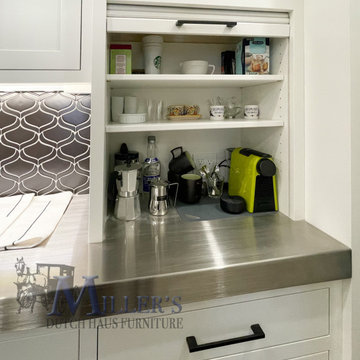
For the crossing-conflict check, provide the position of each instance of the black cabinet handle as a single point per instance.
(194, 346)
(229, 24)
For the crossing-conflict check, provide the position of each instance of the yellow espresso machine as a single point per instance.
(252, 176)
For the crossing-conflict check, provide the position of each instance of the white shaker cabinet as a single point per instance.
(40, 34)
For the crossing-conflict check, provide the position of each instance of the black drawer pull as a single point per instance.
(257, 334)
(228, 24)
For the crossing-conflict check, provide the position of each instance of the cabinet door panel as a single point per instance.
(40, 34)
(51, 344)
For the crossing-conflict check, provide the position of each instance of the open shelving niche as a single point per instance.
(180, 82)
(203, 137)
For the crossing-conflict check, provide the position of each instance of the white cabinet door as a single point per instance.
(43, 344)
(40, 34)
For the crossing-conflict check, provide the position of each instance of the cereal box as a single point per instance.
(256, 56)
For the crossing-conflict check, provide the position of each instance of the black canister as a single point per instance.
(190, 188)
(228, 62)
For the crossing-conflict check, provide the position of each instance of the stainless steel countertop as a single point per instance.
(164, 256)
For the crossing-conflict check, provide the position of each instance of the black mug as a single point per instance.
(190, 188)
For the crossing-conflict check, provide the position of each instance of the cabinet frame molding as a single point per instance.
(100, 109)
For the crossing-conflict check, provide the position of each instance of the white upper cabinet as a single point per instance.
(40, 34)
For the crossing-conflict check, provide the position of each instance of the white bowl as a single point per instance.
(196, 67)
(131, 118)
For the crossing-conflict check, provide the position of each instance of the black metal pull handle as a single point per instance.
(229, 24)
(194, 346)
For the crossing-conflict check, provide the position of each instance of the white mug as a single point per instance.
(130, 104)
(217, 112)
(117, 107)
(196, 67)
(251, 111)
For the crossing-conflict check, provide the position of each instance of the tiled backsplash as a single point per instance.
(44, 142)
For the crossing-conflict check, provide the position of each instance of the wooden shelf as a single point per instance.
(165, 125)
(184, 81)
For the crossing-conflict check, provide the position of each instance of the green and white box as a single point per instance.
(120, 59)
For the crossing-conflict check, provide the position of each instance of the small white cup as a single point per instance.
(251, 111)
(130, 104)
(117, 107)
(217, 112)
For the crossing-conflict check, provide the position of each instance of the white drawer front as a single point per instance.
(320, 356)
(165, 26)
(47, 344)
(284, 319)
(270, 354)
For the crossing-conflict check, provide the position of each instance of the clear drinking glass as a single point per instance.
(215, 187)
(155, 109)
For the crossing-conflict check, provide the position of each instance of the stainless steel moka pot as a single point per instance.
(159, 197)
(127, 178)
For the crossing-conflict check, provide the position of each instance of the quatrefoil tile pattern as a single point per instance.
(44, 142)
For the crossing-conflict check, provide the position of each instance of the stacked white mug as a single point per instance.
(130, 104)
(117, 107)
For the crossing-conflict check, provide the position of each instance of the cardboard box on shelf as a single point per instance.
(253, 56)
(120, 59)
